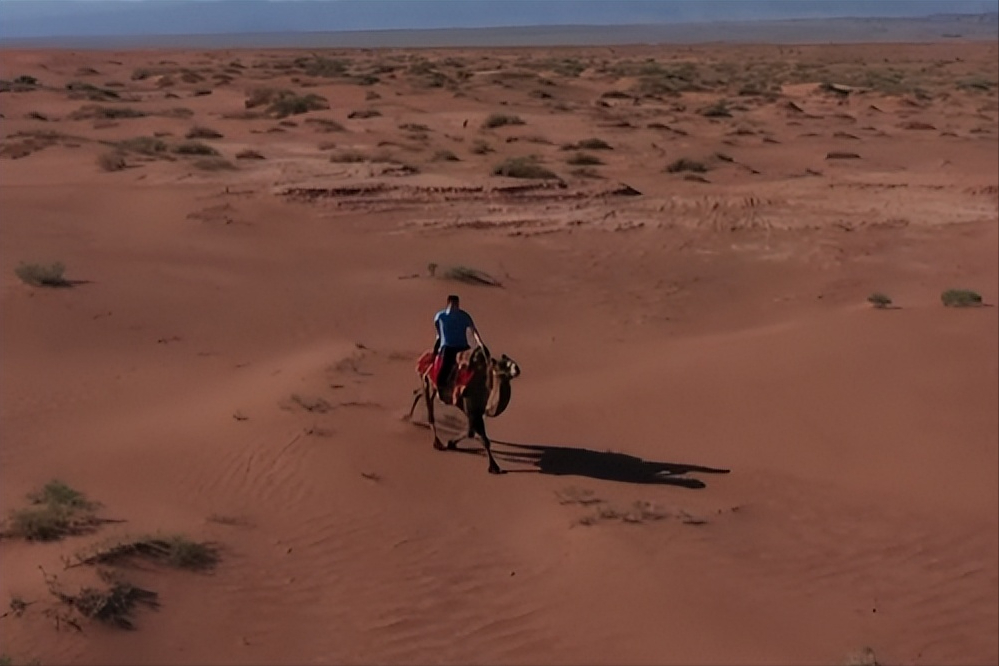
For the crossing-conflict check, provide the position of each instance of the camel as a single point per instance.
(483, 389)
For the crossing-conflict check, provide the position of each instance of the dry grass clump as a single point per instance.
(480, 147)
(199, 132)
(523, 167)
(584, 159)
(362, 114)
(879, 300)
(325, 125)
(587, 172)
(464, 274)
(145, 145)
(56, 510)
(282, 103)
(685, 164)
(249, 154)
(98, 112)
(113, 604)
(194, 148)
(42, 275)
(445, 156)
(175, 551)
(961, 298)
(500, 120)
(112, 161)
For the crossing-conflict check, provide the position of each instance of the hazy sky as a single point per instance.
(37, 18)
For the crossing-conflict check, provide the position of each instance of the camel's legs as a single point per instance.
(417, 394)
(477, 423)
(428, 395)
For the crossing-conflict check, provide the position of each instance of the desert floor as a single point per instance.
(719, 451)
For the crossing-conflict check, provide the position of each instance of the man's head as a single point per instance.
(453, 301)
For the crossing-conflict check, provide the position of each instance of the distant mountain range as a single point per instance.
(451, 22)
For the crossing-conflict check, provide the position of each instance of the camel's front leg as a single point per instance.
(478, 424)
(428, 395)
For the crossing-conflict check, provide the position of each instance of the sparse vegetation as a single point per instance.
(113, 605)
(961, 298)
(445, 156)
(464, 274)
(685, 164)
(500, 120)
(325, 125)
(480, 147)
(362, 114)
(42, 275)
(249, 154)
(146, 145)
(282, 103)
(56, 511)
(586, 172)
(199, 132)
(194, 148)
(594, 144)
(175, 551)
(95, 111)
(879, 300)
(112, 161)
(584, 159)
(523, 167)
(719, 109)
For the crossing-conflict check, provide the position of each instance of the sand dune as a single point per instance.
(719, 452)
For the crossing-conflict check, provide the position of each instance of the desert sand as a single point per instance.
(718, 451)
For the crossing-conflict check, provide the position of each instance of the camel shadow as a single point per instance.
(602, 465)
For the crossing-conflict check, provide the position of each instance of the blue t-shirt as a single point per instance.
(452, 327)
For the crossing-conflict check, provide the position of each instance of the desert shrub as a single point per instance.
(960, 298)
(323, 67)
(362, 114)
(584, 159)
(95, 111)
(445, 156)
(480, 147)
(594, 144)
(686, 164)
(717, 110)
(414, 127)
(146, 145)
(42, 275)
(111, 161)
(176, 551)
(113, 605)
(199, 132)
(879, 300)
(296, 105)
(249, 154)
(587, 172)
(264, 96)
(465, 274)
(194, 148)
(326, 125)
(56, 511)
(89, 91)
(499, 120)
(523, 167)
(976, 83)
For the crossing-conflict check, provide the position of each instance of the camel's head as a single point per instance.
(504, 366)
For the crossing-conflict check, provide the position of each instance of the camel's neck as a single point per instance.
(499, 394)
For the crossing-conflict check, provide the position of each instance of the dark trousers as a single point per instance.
(448, 357)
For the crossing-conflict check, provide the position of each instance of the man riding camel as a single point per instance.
(452, 325)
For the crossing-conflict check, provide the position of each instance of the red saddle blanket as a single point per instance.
(454, 385)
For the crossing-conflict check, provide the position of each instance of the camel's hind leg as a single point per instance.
(477, 424)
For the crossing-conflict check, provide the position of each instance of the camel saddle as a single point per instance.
(452, 387)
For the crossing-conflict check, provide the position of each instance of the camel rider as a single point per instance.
(452, 325)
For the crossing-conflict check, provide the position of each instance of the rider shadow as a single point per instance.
(602, 465)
